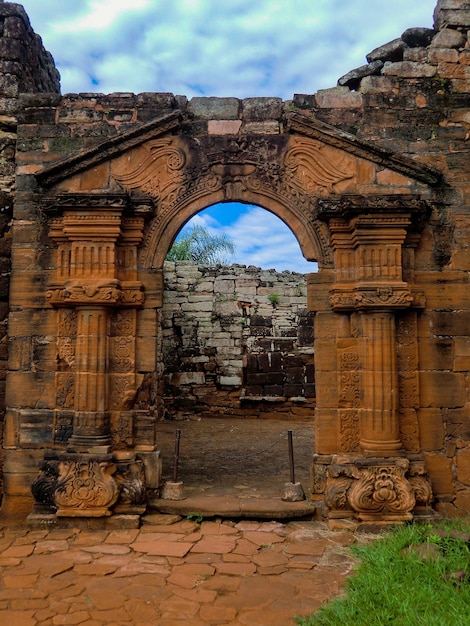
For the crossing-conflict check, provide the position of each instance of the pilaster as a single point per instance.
(370, 476)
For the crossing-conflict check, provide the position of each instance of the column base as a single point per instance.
(375, 489)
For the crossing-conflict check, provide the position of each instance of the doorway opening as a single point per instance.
(237, 342)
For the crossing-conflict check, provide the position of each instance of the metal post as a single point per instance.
(291, 456)
(177, 455)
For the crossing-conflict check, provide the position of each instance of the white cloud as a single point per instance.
(239, 48)
(260, 239)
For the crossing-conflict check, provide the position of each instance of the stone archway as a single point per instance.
(113, 211)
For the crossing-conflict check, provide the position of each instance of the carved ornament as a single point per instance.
(383, 490)
(159, 171)
(358, 298)
(85, 486)
(98, 293)
(309, 166)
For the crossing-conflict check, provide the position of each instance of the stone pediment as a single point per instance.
(225, 151)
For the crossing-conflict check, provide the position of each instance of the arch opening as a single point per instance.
(237, 342)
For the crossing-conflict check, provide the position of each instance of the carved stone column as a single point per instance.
(96, 275)
(379, 433)
(368, 478)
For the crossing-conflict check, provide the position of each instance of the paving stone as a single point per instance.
(17, 618)
(137, 567)
(262, 538)
(312, 548)
(179, 608)
(105, 593)
(268, 558)
(108, 549)
(142, 612)
(187, 581)
(179, 526)
(51, 545)
(215, 544)
(219, 615)
(163, 548)
(246, 547)
(92, 569)
(22, 604)
(217, 528)
(159, 519)
(222, 583)
(236, 569)
(197, 595)
(122, 536)
(18, 551)
(9, 561)
(20, 581)
(261, 618)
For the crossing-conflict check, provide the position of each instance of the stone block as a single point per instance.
(440, 472)
(431, 429)
(448, 38)
(31, 390)
(391, 51)
(463, 465)
(262, 109)
(223, 127)
(451, 17)
(214, 108)
(442, 389)
(261, 128)
(436, 354)
(231, 381)
(326, 431)
(409, 69)
(443, 55)
(462, 502)
(338, 98)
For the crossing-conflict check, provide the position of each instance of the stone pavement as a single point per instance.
(171, 571)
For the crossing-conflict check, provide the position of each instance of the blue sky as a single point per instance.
(239, 48)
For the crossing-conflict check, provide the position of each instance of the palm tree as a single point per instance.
(199, 246)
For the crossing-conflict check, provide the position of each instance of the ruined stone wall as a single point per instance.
(237, 341)
(412, 98)
(25, 66)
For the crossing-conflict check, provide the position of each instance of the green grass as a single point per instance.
(393, 585)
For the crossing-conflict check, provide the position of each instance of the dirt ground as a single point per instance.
(249, 455)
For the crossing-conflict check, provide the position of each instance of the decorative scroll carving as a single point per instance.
(382, 490)
(65, 390)
(123, 323)
(159, 170)
(336, 493)
(308, 166)
(348, 205)
(73, 293)
(122, 354)
(130, 477)
(408, 380)
(386, 296)
(122, 429)
(420, 483)
(237, 170)
(349, 400)
(85, 486)
(63, 426)
(43, 487)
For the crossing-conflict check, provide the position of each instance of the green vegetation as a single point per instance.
(413, 576)
(195, 517)
(273, 298)
(199, 246)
